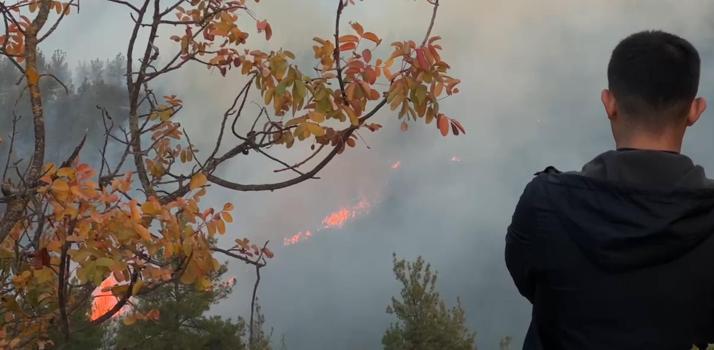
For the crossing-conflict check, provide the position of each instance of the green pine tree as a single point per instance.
(424, 321)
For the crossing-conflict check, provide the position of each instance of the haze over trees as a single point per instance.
(131, 205)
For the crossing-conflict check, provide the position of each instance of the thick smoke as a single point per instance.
(532, 74)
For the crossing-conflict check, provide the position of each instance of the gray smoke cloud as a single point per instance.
(532, 72)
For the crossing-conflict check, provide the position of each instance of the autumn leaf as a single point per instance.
(367, 55)
(198, 180)
(443, 124)
(265, 26)
(358, 28)
(372, 37)
(142, 231)
(60, 187)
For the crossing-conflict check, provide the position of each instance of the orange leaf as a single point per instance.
(367, 55)
(349, 38)
(421, 59)
(142, 231)
(358, 28)
(60, 186)
(348, 46)
(227, 217)
(265, 26)
(135, 213)
(372, 37)
(443, 124)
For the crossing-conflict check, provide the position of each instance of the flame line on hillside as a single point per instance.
(333, 221)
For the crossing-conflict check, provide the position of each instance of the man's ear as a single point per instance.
(608, 101)
(699, 105)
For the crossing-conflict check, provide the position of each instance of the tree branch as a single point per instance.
(337, 58)
(435, 3)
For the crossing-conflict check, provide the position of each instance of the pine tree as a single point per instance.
(182, 323)
(424, 321)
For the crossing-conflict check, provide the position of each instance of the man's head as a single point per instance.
(653, 80)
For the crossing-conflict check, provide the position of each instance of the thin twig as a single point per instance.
(251, 334)
(337, 58)
(431, 23)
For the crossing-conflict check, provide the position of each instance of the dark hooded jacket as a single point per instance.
(617, 256)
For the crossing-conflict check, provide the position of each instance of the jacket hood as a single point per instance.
(630, 209)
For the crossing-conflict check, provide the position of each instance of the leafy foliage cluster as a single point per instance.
(135, 210)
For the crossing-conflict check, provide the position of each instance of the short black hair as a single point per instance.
(654, 76)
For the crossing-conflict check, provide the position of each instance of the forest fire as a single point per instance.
(334, 220)
(297, 238)
(103, 300)
(339, 218)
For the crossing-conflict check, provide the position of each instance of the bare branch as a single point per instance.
(127, 4)
(435, 3)
(251, 331)
(307, 175)
(337, 58)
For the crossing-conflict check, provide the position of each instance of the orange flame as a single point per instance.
(103, 300)
(397, 165)
(335, 220)
(340, 217)
(297, 238)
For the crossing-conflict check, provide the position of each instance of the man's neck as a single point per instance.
(665, 144)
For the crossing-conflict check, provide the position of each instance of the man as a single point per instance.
(620, 255)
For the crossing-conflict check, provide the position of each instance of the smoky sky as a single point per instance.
(532, 72)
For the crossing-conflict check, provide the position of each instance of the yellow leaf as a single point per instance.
(60, 187)
(151, 207)
(316, 116)
(315, 129)
(221, 226)
(65, 172)
(203, 283)
(188, 277)
(142, 231)
(137, 287)
(198, 180)
(227, 217)
(135, 213)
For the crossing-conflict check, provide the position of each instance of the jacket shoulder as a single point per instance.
(548, 170)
